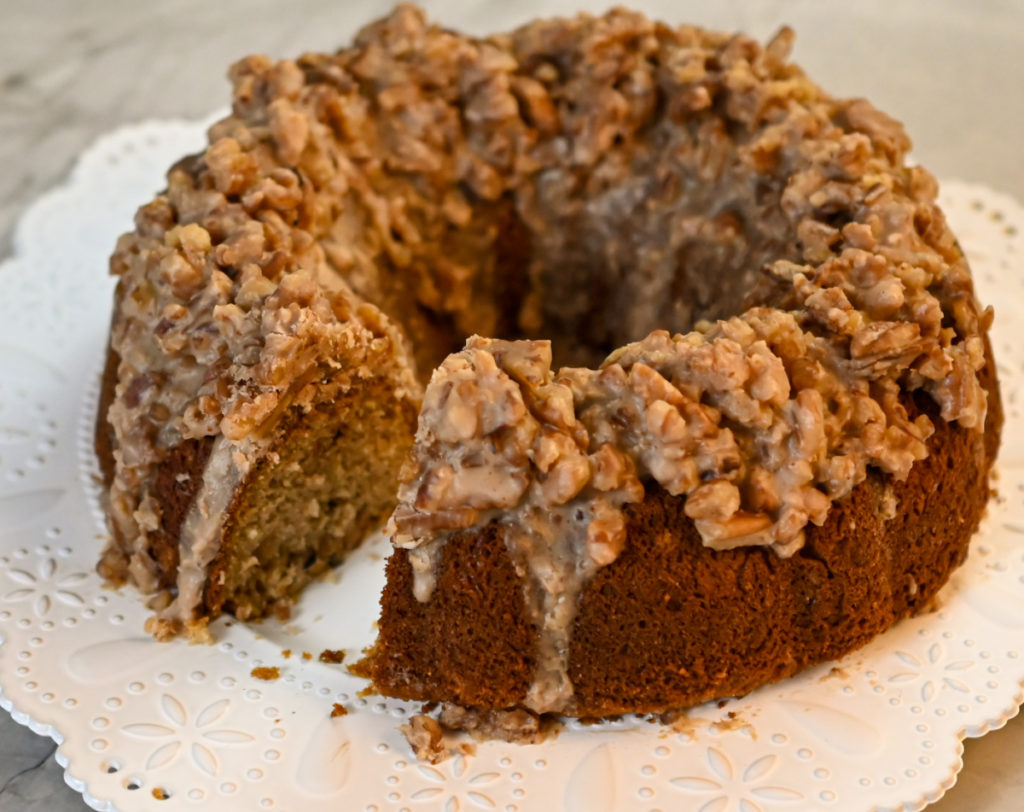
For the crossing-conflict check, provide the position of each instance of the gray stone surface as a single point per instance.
(70, 71)
(30, 778)
(21, 750)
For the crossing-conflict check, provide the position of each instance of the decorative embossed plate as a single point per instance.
(144, 725)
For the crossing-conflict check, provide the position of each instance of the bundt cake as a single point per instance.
(738, 356)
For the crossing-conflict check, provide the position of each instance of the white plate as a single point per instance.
(138, 719)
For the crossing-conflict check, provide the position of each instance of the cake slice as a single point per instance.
(538, 570)
(258, 486)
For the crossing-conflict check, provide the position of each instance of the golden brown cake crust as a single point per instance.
(672, 623)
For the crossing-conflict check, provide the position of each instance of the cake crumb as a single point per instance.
(338, 710)
(307, 656)
(287, 653)
(734, 722)
(680, 722)
(332, 656)
(426, 738)
(160, 794)
(267, 673)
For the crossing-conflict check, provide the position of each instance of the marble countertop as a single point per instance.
(70, 71)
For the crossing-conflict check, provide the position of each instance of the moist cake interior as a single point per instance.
(329, 486)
